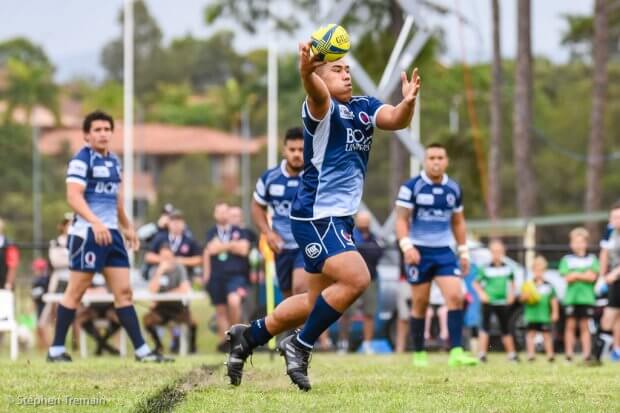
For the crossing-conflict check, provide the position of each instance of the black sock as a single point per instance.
(64, 319)
(416, 325)
(129, 320)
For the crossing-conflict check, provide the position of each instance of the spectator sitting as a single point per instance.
(169, 277)
(40, 281)
(183, 246)
(87, 317)
(580, 270)
(226, 270)
(9, 260)
(59, 256)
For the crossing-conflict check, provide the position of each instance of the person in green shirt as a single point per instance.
(495, 287)
(580, 271)
(541, 309)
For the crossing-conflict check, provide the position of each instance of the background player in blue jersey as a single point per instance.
(275, 189)
(429, 216)
(98, 236)
(338, 129)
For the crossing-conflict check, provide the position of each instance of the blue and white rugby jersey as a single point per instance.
(276, 189)
(101, 175)
(433, 206)
(336, 151)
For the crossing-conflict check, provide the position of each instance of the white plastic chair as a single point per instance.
(7, 319)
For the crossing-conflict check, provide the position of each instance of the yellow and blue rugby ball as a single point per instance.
(330, 42)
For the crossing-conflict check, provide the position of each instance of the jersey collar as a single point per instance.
(428, 180)
(285, 172)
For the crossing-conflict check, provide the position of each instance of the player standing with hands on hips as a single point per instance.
(338, 129)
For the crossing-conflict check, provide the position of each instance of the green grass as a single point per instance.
(341, 383)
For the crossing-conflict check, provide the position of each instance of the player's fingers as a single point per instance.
(403, 78)
(414, 73)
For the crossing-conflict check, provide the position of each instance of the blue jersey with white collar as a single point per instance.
(433, 206)
(101, 177)
(276, 189)
(336, 150)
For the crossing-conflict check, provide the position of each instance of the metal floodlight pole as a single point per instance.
(272, 91)
(128, 93)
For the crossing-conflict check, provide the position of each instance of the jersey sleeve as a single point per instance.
(405, 196)
(606, 240)
(458, 205)
(194, 248)
(261, 194)
(157, 242)
(595, 265)
(212, 233)
(563, 267)
(77, 170)
(374, 106)
(310, 122)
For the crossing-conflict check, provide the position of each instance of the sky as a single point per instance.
(73, 32)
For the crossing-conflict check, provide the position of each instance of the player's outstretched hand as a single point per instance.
(132, 240)
(411, 87)
(307, 62)
(464, 262)
(412, 256)
(102, 234)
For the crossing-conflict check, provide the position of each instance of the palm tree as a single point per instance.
(495, 199)
(522, 123)
(597, 115)
(29, 85)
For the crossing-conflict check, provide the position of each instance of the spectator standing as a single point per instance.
(226, 269)
(580, 271)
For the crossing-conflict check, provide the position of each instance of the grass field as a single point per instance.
(341, 383)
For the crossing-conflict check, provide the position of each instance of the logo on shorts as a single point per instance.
(89, 259)
(347, 237)
(313, 250)
(413, 273)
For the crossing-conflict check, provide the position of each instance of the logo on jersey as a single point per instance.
(110, 188)
(437, 191)
(77, 167)
(345, 112)
(412, 273)
(101, 172)
(451, 200)
(313, 250)
(404, 193)
(425, 199)
(282, 207)
(347, 237)
(276, 190)
(357, 141)
(292, 183)
(89, 259)
(364, 118)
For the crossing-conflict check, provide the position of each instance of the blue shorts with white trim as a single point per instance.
(85, 255)
(322, 238)
(434, 262)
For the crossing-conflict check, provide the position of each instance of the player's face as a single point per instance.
(539, 270)
(294, 154)
(497, 251)
(337, 77)
(99, 135)
(579, 244)
(614, 218)
(221, 214)
(435, 162)
(176, 226)
(235, 216)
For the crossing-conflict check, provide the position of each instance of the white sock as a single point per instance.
(143, 350)
(56, 351)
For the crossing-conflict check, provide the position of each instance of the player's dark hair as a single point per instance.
(293, 134)
(615, 205)
(436, 145)
(96, 115)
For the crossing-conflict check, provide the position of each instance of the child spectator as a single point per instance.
(541, 310)
(580, 271)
